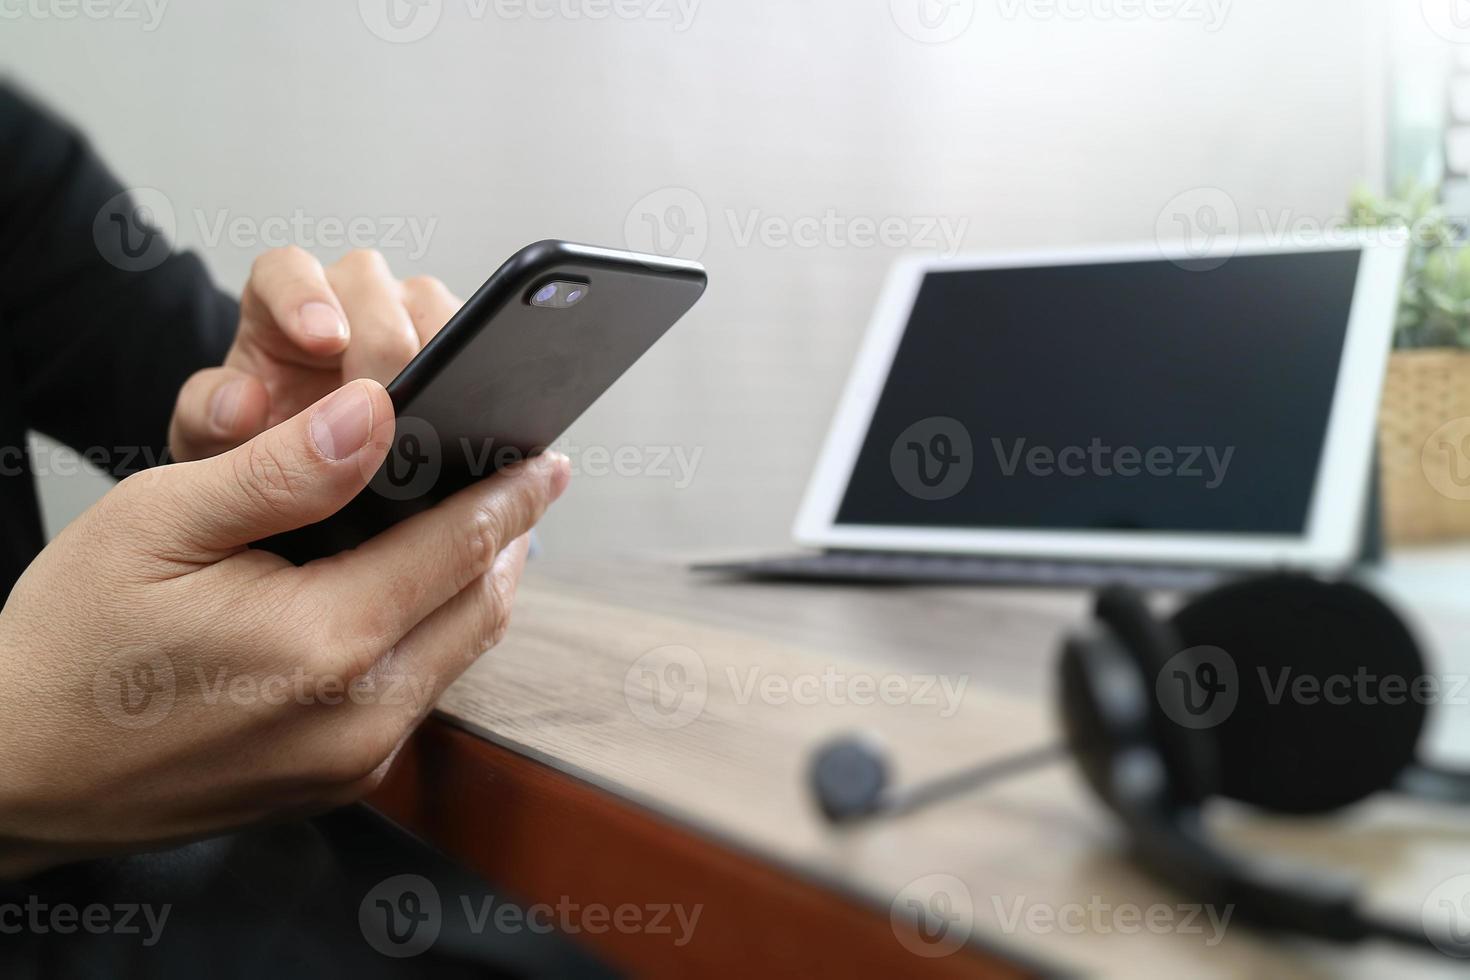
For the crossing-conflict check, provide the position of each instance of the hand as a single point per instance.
(304, 331)
(163, 682)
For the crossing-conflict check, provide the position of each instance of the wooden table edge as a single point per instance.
(547, 836)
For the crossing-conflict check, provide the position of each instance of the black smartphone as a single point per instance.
(546, 335)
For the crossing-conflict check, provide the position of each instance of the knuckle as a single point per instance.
(330, 642)
(287, 257)
(428, 287)
(367, 636)
(262, 264)
(294, 254)
(365, 260)
(129, 503)
(349, 638)
(347, 644)
(268, 478)
(488, 621)
(496, 611)
(285, 277)
(484, 538)
(137, 486)
(391, 341)
(148, 493)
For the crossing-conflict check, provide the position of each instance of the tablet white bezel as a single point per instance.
(1334, 518)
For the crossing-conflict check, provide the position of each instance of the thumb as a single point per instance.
(295, 474)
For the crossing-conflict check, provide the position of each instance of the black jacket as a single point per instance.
(98, 335)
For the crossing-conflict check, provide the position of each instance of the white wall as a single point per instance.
(502, 129)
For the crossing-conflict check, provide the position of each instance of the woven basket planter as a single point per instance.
(1424, 441)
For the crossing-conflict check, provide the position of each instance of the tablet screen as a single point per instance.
(1127, 396)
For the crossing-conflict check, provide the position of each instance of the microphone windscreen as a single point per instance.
(848, 778)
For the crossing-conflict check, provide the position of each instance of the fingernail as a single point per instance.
(561, 473)
(322, 322)
(340, 426)
(224, 406)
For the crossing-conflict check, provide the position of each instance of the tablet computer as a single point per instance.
(1123, 403)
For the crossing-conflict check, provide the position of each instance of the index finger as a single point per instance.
(290, 310)
(395, 580)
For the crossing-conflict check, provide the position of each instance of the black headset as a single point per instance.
(1285, 692)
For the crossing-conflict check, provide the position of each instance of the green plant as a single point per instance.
(1434, 307)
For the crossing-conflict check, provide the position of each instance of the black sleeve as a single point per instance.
(101, 323)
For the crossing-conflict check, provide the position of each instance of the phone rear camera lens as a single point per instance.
(545, 293)
(573, 296)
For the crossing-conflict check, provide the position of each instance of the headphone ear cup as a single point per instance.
(1324, 705)
(1150, 644)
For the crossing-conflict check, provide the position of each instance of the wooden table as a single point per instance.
(641, 739)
